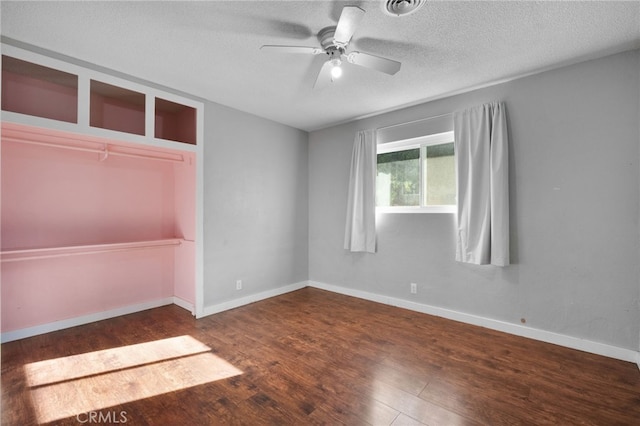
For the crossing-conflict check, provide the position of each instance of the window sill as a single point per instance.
(427, 209)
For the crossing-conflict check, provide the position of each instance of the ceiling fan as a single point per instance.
(334, 42)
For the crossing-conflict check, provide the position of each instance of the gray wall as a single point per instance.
(574, 210)
(255, 204)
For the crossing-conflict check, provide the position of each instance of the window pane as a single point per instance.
(439, 175)
(398, 179)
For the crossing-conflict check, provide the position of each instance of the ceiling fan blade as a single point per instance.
(293, 49)
(347, 24)
(387, 66)
(324, 76)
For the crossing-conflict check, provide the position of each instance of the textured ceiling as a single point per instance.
(211, 48)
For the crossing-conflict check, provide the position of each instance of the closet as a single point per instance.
(100, 196)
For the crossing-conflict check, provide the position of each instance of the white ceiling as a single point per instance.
(211, 48)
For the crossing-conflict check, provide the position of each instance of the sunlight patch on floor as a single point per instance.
(82, 365)
(69, 386)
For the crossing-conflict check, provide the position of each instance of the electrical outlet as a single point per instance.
(414, 288)
(238, 284)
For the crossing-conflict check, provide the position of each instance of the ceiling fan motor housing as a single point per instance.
(327, 41)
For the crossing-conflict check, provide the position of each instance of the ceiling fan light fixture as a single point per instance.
(334, 42)
(399, 8)
(336, 70)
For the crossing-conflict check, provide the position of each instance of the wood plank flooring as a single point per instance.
(307, 357)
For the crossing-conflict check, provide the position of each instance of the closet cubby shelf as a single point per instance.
(53, 252)
(37, 90)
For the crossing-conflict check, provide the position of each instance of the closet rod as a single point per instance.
(104, 151)
(32, 254)
(413, 121)
(74, 148)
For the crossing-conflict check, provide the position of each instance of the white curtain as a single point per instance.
(360, 230)
(482, 167)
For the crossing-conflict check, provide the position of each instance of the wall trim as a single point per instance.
(81, 320)
(184, 304)
(518, 330)
(236, 303)
(125, 310)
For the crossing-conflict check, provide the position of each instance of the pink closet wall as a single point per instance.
(39, 97)
(115, 114)
(55, 197)
(176, 125)
(59, 197)
(185, 226)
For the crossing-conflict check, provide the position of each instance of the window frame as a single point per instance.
(413, 143)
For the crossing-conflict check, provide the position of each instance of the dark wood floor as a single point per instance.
(307, 357)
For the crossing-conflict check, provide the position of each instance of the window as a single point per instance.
(417, 175)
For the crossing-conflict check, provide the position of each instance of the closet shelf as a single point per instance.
(52, 252)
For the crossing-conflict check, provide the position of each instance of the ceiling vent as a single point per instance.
(402, 7)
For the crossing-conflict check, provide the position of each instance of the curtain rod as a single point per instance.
(414, 121)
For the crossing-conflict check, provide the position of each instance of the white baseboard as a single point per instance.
(98, 316)
(518, 330)
(532, 333)
(236, 303)
(184, 304)
(85, 319)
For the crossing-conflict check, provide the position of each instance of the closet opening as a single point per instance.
(92, 225)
